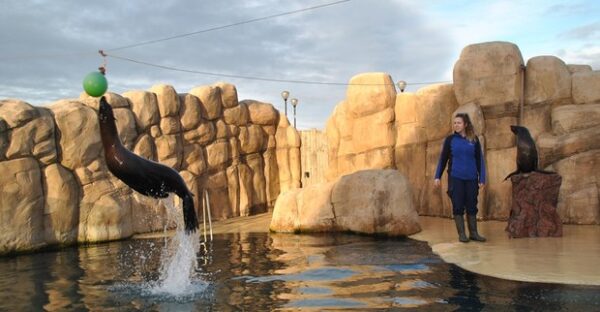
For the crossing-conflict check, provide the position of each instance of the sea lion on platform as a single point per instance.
(527, 155)
(143, 175)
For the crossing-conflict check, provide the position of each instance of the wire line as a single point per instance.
(226, 26)
(260, 78)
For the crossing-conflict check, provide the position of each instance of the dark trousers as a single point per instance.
(463, 194)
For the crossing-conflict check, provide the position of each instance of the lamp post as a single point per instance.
(294, 103)
(401, 85)
(285, 95)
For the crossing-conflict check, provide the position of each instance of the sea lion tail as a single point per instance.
(189, 214)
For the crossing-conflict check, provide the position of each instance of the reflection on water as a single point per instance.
(263, 272)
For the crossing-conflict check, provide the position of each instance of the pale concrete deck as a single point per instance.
(571, 259)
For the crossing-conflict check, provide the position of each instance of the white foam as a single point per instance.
(178, 260)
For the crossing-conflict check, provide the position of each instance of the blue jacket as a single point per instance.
(465, 159)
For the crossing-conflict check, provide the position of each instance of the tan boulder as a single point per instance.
(16, 113)
(261, 113)
(497, 132)
(203, 135)
(210, 101)
(233, 189)
(578, 199)
(149, 214)
(285, 217)
(259, 195)
(270, 130)
(380, 158)
(170, 125)
(217, 155)
(169, 150)
(381, 123)
(571, 118)
(191, 111)
(237, 115)
(585, 87)
(369, 93)
(145, 147)
(246, 189)
(167, 99)
(405, 108)
(576, 68)
(537, 119)
(144, 106)
(218, 193)
(193, 159)
(252, 139)
(410, 160)
(155, 131)
(192, 183)
(34, 138)
(271, 177)
(547, 80)
(21, 205)
(552, 148)
(125, 121)
(234, 131)
(228, 94)
(436, 103)
(222, 130)
(374, 202)
(498, 192)
(315, 209)
(104, 212)
(234, 150)
(489, 74)
(61, 205)
(95, 171)
(434, 201)
(80, 142)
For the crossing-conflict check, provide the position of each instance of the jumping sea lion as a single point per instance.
(144, 176)
(527, 155)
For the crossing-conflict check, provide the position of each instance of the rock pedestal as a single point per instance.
(533, 212)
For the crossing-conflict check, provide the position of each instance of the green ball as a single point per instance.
(95, 84)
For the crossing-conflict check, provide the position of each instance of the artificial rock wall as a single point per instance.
(56, 188)
(377, 128)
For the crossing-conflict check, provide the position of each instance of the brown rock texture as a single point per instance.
(533, 211)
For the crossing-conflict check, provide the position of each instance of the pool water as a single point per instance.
(265, 272)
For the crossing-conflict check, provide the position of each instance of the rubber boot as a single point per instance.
(473, 235)
(460, 228)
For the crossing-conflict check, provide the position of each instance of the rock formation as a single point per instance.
(367, 201)
(560, 108)
(57, 189)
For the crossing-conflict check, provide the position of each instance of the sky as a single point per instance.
(47, 47)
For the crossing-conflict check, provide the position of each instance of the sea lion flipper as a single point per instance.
(511, 174)
(189, 215)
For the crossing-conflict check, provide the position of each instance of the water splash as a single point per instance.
(179, 263)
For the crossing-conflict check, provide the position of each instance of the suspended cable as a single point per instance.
(31, 56)
(258, 78)
(227, 26)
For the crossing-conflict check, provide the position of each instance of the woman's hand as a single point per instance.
(436, 183)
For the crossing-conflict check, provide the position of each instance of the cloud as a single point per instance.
(49, 46)
(586, 32)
